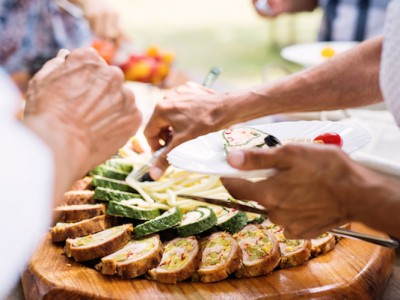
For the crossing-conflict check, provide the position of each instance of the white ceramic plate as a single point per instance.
(310, 54)
(206, 154)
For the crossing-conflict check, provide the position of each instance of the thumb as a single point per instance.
(253, 159)
(160, 163)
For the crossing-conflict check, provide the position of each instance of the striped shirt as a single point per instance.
(343, 18)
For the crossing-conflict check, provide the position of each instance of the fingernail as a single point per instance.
(156, 173)
(236, 158)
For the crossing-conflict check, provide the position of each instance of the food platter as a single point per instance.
(353, 270)
(206, 154)
(156, 244)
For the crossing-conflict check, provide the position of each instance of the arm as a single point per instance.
(88, 122)
(317, 188)
(103, 19)
(348, 80)
(278, 7)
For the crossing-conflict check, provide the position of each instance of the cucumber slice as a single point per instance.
(105, 194)
(131, 211)
(232, 221)
(100, 181)
(109, 172)
(119, 164)
(197, 221)
(168, 219)
(255, 218)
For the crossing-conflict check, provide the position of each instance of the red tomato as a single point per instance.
(330, 138)
(105, 48)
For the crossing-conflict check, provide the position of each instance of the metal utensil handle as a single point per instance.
(364, 237)
(211, 77)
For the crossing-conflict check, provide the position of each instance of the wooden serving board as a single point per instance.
(353, 270)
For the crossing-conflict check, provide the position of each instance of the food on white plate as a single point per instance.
(294, 252)
(221, 256)
(332, 138)
(79, 212)
(105, 194)
(260, 250)
(230, 220)
(134, 259)
(78, 197)
(125, 208)
(247, 138)
(243, 138)
(179, 261)
(99, 244)
(82, 184)
(324, 243)
(168, 219)
(197, 221)
(328, 52)
(63, 231)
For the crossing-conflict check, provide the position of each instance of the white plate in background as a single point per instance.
(206, 153)
(309, 54)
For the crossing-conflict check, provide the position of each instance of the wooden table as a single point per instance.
(353, 270)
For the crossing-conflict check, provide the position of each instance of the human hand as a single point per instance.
(103, 19)
(78, 105)
(275, 7)
(185, 113)
(316, 187)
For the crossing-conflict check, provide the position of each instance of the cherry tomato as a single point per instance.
(330, 138)
(105, 48)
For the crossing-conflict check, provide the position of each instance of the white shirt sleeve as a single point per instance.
(26, 188)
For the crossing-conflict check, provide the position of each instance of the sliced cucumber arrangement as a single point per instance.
(122, 209)
(255, 218)
(197, 221)
(119, 164)
(105, 194)
(168, 219)
(109, 172)
(232, 220)
(100, 181)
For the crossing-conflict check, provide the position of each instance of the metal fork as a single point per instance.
(142, 174)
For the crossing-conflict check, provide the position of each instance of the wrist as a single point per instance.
(70, 153)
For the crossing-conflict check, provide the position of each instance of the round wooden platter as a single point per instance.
(353, 270)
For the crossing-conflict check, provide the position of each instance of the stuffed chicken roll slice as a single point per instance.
(180, 260)
(221, 256)
(260, 250)
(134, 259)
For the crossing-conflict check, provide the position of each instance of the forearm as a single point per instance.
(68, 151)
(303, 5)
(348, 80)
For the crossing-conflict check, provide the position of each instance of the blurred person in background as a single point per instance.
(60, 139)
(33, 31)
(343, 20)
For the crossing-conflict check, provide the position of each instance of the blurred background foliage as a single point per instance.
(221, 33)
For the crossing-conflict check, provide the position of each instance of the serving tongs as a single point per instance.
(251, 207)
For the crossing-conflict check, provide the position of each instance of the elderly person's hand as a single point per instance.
(78, 105)
(185, 113)
(103, 19)
(316, 187)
